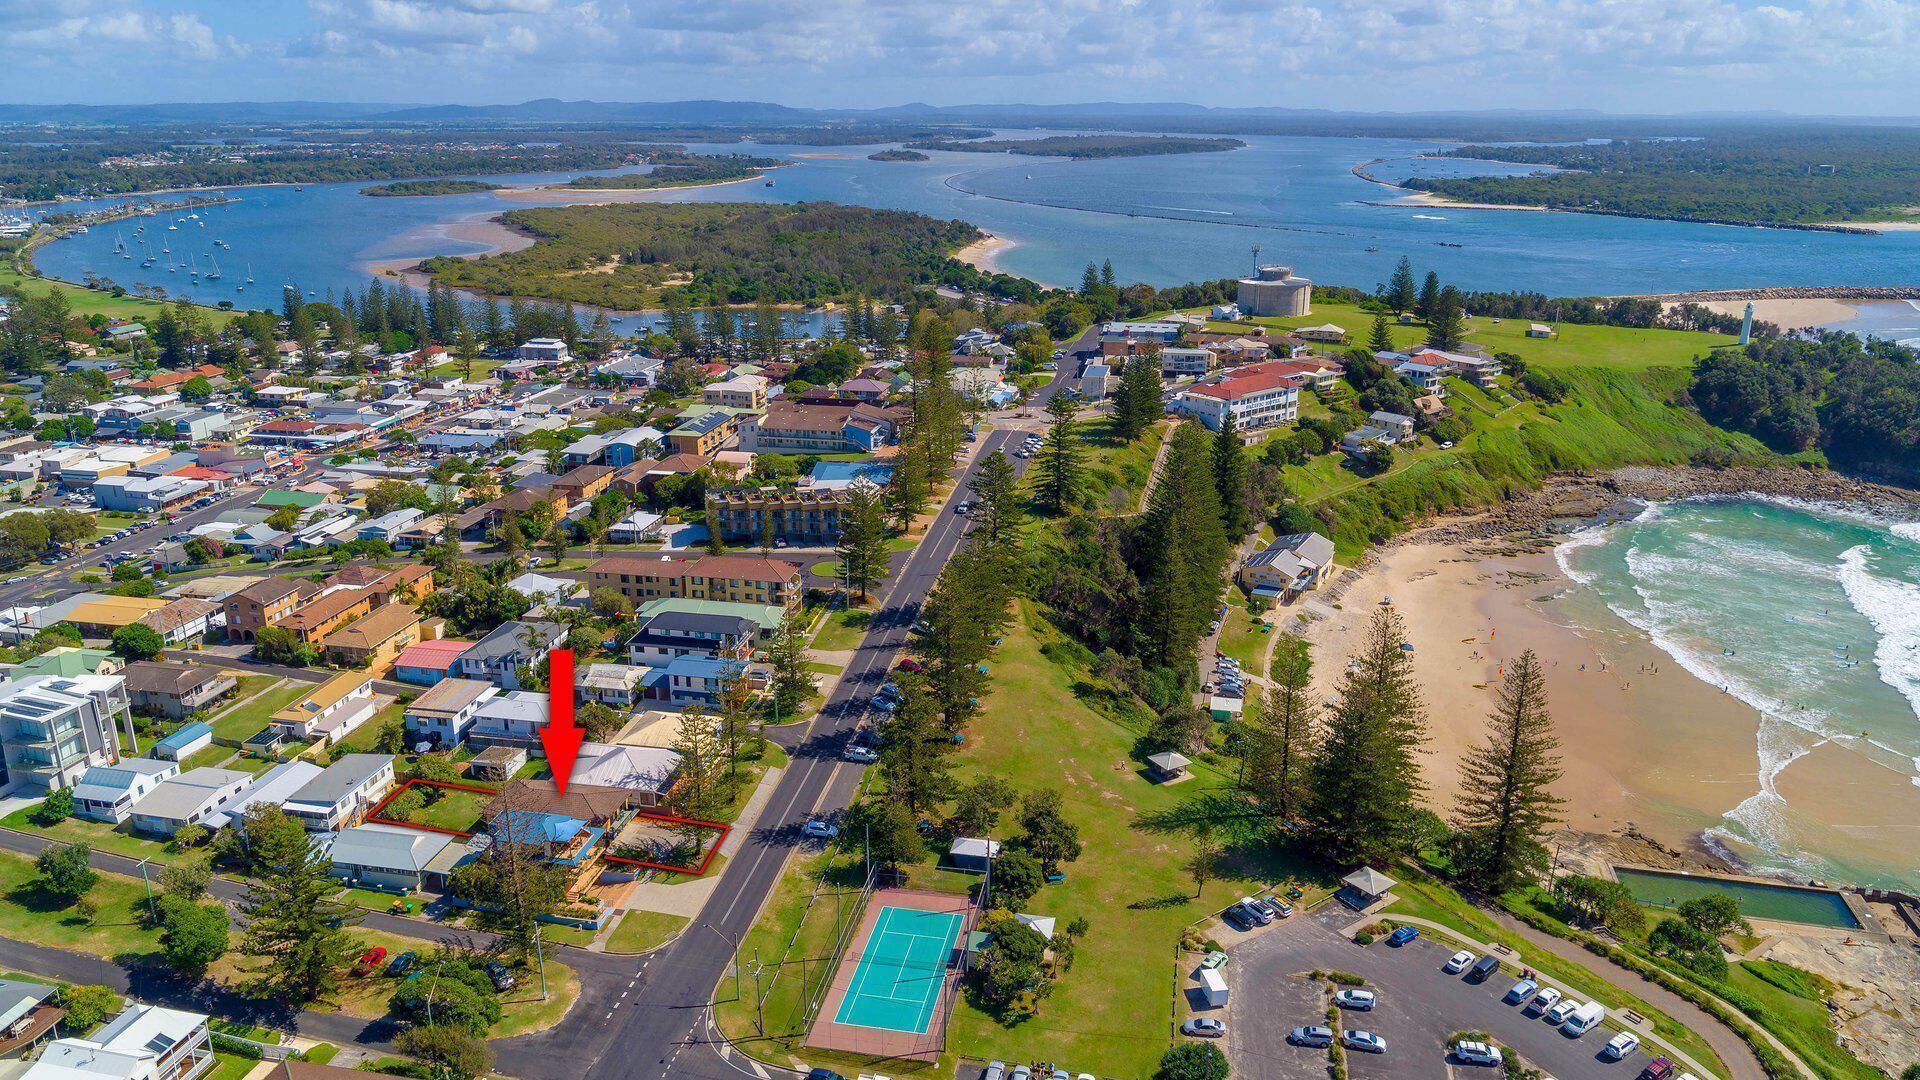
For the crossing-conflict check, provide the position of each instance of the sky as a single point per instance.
(1660, 56)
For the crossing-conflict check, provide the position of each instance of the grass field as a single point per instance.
(102, 836)
(244, 720)
(361, 739)
(1240, 638)
(644, 931)
(1797, 1003)
(85, 302)
(30, 915)
(1573, 345)
(842, 630)
(457, 810)
(1115, 472)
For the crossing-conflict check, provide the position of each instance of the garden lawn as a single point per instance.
(242, 721)
(644, 931)
(207, 757)
(103, 837)
(456, 810)
(843, 630)
(1113, 1014)
(1240, 638)
(32, 916)
(361, 739)
(230, 1067)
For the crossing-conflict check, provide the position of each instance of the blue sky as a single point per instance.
(1803, 56)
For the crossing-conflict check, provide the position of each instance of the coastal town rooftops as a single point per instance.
(388, 847)
(268, 590)
(452, 695)
(370, 630)
(437, 655)
(341, 777)
(1236, 387)
(147, 677)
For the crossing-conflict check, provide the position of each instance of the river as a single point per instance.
(1162, 220)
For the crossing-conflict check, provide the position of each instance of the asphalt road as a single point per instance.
(659, 1024)
(1420, 1006)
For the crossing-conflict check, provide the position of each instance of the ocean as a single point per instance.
(1811, 615)
(1160, 220)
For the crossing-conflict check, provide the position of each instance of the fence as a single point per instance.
(844, 906)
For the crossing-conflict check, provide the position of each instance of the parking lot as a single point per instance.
(1419, 1007)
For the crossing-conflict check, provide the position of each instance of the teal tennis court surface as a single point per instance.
(897, 983)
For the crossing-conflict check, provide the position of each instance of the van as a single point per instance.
(1482, 969)
(1584, 1019)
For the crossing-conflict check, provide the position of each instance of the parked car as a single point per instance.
(1360, 1000)
(1267, 912)
(824, 1074)
(1365, 1041)
(1658, 1069)
(1621, 1046)
(1458, 962)
(819, 829)
(1560, 1011)
(885, 702)
(1311, 1036)
(1520, 991)
(908, 663)
(1204, 1027)
(1020, 1072)
(996, 1070)
(1469, 1052)
(1214, 961)
(502, 978)
(1403, 935)
(1483, 969)
(402, 964)
(1544, 1000)
(369, 961)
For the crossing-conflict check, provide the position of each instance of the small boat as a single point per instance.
(769, 183)
(213, 274)
(249, 273)
(173, 228)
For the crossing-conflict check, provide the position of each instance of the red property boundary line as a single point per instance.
(374, 814)
(691, 871)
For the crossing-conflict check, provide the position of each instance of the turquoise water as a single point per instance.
(1162, 220)
(1756, 901)
(1811, 615)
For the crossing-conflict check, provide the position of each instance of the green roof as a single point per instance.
(302, 499)
(766, 616)
(66, 662)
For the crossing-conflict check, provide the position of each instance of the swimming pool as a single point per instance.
(1786, 903)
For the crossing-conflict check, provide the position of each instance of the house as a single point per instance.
(498, 657)
(1400, 426)
(1178, 362)
(1291, 564)
(267, 602)
(443, 714)
(1096, 381)
(581, 484)
(739, 392)
(330, 710)
(99, 616)
(497, 763)
(408, 584)
(542, 589)
(1326, 332)
(692, 680)
(1355, 442)
(342, 792)
(646, 773)
(184, 619)
(1539, 330)
(183, 742)
(1428, 378)
(617, 685)
(28, 1012)
(1263, 399)
(552, 350)
(187, 799)
(598, 807)
(511, 719)
(972, 854)
(68, 660)
(427, 662)
(145, 1042)
(635, 527)
(702, 434)
(670, 633)
(107, 792)
(389, 857)
(326, 612)
(389, 526)
(54, 728)
(271, 788)
(746, 579)
(372, 641)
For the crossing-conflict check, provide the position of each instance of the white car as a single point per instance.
(1367, 1041)
(1560, 1011)
(1476, 1053)
(821, 830)
(1361, 1000)
(1544, 1000)
(1204, 1027)
(1621, 1045)
(1520, 991)
(1458, 962)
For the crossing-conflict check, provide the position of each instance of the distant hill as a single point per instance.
(231, 112)
(553, 110)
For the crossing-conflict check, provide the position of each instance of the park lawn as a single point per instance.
(560, 934)
(30, 915)
(843, 630)
(644, 931)
(481, 368)
(1240, 638)
(119, 840)
(1622, 347)
(1113, 1013)
(84, 302)
(1423, 898)
(1796, 1002)
(244, 720)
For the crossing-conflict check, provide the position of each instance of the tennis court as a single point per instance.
(898, 980)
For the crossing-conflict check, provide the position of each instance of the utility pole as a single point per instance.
(155, 915)
(759, 1000)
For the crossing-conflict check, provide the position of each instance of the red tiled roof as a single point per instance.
(436, 655)
(1246, 386)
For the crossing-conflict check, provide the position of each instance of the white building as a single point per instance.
(53, 728)
(546, 348)
(146, 1042)
(188, 799)
(1182, 362)
(342, 792)
(1263, 400)
(107, 792)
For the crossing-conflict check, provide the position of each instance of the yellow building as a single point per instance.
(372, 641)
(101, 616)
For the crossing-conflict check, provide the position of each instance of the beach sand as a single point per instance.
(480, 229)
(984, 254)
(1791, 314)
(1428, 199)
(560, 194)
(1644, 744)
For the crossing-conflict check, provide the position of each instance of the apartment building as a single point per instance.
(808, 516)
(54, 728)
(741, 579)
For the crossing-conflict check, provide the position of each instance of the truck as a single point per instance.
(1584, 1019)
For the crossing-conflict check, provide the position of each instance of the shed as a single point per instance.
(973, 853)
(1168, 766)
(184, 742)
(1368, 885)
(1225, 708)
(1213, 988)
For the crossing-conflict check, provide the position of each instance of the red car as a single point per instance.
(370, 962)
(1657, 1069)
(909, 664)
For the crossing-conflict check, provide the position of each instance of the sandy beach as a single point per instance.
(1791, 314)
(1428, 199)
(1645, 745)
(984, 254)
(560, 194)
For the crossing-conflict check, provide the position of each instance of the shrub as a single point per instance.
(54, 809)
(87, 1005)
(1364, 937)
(64, 870)
(1345, 978)
(1193, 1061)
(227, 1044)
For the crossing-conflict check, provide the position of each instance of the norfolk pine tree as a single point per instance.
(1366, 778)
(1059, 463)
(863, 539)
(1230, 476)
(1283, 734)
(1184, 550)
(792, 682)
(293, 922)
(1505, 807)
(1380, 338)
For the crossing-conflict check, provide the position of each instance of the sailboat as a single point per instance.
(249, 273)
(193, 268)
(173, 228)
(213, 274)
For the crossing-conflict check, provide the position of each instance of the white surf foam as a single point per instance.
(1893, 607)
(1906, 530)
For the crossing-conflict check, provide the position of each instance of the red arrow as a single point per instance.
(560, 738)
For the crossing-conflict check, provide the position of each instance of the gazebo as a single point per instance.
(1168, 766)
(1365, 887)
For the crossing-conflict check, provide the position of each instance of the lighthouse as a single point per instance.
(1746, 325)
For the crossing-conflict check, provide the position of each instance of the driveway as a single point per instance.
(1420, 1006)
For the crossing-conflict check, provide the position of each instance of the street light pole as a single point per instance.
(155, 915)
